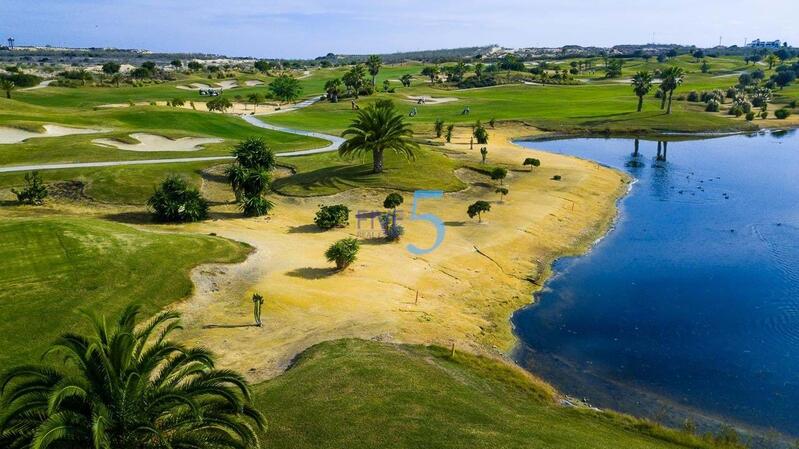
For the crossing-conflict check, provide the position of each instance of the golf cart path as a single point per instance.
(335, 142)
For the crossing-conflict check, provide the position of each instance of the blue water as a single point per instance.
(694, 296)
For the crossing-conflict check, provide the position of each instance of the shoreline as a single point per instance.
(469, 288)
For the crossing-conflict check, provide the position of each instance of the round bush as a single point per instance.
(693, 96)
(335, 216)
(782, 114)
(750, 116)
(712, 106)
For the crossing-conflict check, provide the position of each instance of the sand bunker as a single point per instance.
(194, 86)
(17, 135)
(251, 83)
(228, 84)
(431, 100)
(152, 142)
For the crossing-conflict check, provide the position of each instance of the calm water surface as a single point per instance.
(694, 296)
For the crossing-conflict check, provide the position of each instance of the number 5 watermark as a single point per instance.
(437, 222)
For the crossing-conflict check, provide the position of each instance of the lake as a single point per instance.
(692, 301)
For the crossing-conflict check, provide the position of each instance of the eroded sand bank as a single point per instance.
(468, 287)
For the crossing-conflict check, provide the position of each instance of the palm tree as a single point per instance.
(642, 84)
(333, 89)
(374, 63)
(127, 386)
(378, 127)
(672, 78)
(772, 59)
(8, 86)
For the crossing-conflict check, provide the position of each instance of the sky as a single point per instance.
(310, 28)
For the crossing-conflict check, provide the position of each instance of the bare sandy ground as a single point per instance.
(252, 83)
(41, 85)
(223, 84)
(467, 288)
(238, 107)
(153, 142)
(194, 86)
(17, 135)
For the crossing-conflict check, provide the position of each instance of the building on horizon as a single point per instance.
(757, 43)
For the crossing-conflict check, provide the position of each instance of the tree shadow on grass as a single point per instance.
(312, 273)
(328, 178)
(131, 217)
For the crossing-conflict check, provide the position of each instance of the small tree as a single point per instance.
(177, 102)
(392, 201)
(502, 192)
(34, 192)
(498, 174)
(480, 134)
(175, 201)
(439, 127)
(406, 80)
(335, 216)
(177, 64)
(448, 136)
(255, 99)
(386, 85)
(111, 67)
(532, 162)
(220, 104)
(483, 154)
(7, 86)
(391, 229)
(343, 253)
(477, 209)
(257, 303)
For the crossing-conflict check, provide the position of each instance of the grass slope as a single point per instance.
(57, 268)
(358, 394)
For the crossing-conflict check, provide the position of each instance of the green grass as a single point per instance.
(328, 173)
(132, 184)
(357, 394)
(58, 267)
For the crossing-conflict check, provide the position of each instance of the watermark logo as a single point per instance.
(370, 224)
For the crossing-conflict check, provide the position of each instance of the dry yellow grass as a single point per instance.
(468, 287)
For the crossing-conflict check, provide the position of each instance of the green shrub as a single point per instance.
(693, 96)
(712, 106)
(255, 205)
(393, 200)
(34, 192)
(532, 162)
(782, 113)
(498, 174)
(764, 114)
(556, 178)
(750, 116)
(175, 201)
(343, 253)
(335, 216)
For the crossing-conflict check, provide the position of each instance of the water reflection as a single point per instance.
(695, 296)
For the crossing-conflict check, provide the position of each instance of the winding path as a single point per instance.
(335, 142)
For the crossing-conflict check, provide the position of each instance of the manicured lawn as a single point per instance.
(56, 268)
(357, 394)
(328, 173)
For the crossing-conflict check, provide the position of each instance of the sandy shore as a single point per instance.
(468, 287)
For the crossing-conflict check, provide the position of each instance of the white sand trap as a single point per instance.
(251, 83)
(16, 135)
(152, 142)
(195, 86)
(431, 100)
(228, 84)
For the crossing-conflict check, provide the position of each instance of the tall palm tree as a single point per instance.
(373, 64)
(127, 386)
(672, 77)
(8, 86)
(377, 128)
(642, 84)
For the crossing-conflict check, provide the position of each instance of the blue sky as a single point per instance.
(309, 28)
